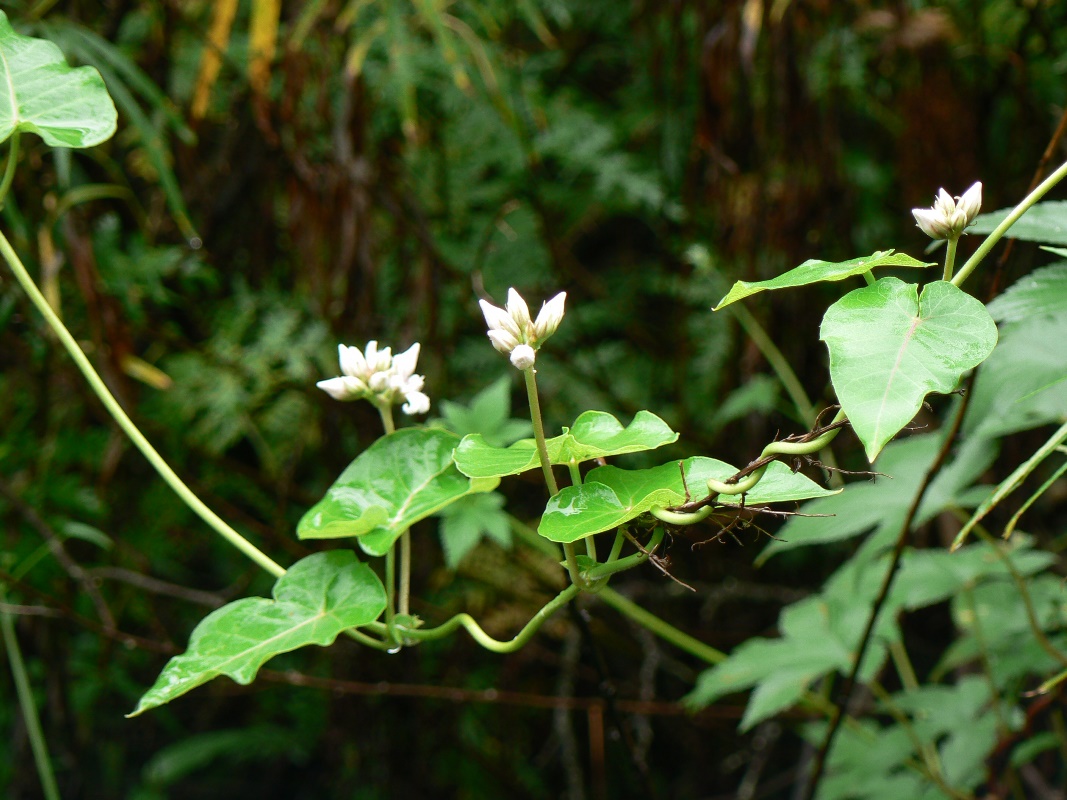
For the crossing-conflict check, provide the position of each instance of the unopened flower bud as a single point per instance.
(523, 356)
(549, 318)
(948, 218)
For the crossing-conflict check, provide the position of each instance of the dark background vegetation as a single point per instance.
(391, 164)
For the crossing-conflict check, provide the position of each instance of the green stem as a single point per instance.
(868, 277)
(26, 704)
(998, 232)
(390, 596)
(950, 258)
(576, 480)
(1011, 483)
(539, 430)
(126, 424)
(622, 564)
(779, 363)
(467, 622)
(668, 633)
(403, 597)
(9, 170)
(530, 374)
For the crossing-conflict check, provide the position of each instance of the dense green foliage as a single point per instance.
(369, 171)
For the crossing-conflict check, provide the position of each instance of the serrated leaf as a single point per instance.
(814, 271)
(42, 94)
(1021, 386)
(611, 496)
(1042, 222)
(880, 505)
(314, 601)
(890, 347)
(397, 481)
(488, 415)
(465, 522)
(1043, 291)
(594, 435)
(781, 669)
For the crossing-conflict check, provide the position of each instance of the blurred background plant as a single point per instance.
(288, 176)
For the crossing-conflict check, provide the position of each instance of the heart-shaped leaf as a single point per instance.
(400, 479)
(40, 93)
(594, 435)
(889, 347)
(314, 601)
(813, 271)
(611, 496)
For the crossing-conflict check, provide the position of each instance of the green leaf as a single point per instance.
(813, 271)
(1043, 222)
(466, 521)
(1021, 384)
(889, 347)
(400, 479)
(611, 496)
(594, 435)
(880, 505)
(318, 597)
(65, 106)
(1043, 291)
(783, 668)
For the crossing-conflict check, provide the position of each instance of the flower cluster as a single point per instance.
(949, 217)
(380, 377)
(514, 333)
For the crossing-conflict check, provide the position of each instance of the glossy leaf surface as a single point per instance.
(65, 106)
(594, 435)
(314, 601)
(611, 496)
(814, 271)
(890, 347)
(397, 481)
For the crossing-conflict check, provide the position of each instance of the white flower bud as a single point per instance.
(970, 203)
(523, 356)
(404, 363)
(499, 320)
(519, 313)
(949, 216)
(380, 377)
(549, 318)
(417, 403)
(352, 362)
(340, 388)
(503, 341)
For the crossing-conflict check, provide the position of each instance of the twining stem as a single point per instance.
(468, 623)
(125, 423)
(950, 257)
(998, 232)
(747, 483)
(530, 374)
(29, 710)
